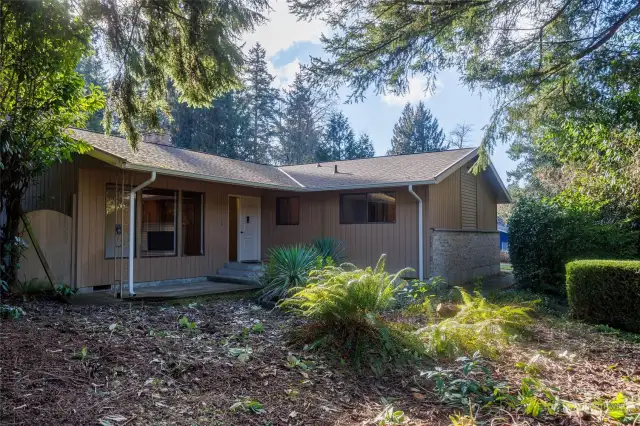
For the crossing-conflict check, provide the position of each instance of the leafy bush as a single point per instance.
(288, 267)
(344, 306)
(478, 326)
(544, 236)
(330, 248)
(605, 292)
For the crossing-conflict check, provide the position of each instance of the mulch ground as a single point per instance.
(146, 369)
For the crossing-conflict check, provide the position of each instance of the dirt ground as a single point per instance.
(141, 367)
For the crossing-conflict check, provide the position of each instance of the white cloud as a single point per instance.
(283, 30)
(284, 75)
(416, 92)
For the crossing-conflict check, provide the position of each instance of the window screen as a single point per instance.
(158, 232)
(192, 223)
(288, 211)
(374, 207)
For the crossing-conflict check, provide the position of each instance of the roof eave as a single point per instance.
(198, 176)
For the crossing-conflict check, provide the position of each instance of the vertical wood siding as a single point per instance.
(444, 203)
(487, 205)
(94, 269)
(443, 207)
(468, 200)
(53, 190)
(320, 217)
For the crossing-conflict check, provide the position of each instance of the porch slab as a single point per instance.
(163, 292)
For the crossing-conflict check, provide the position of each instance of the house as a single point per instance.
(194, 212)
(504, 236)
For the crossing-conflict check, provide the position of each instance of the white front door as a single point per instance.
(249, 229)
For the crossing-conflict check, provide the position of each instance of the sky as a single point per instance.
(290, 42)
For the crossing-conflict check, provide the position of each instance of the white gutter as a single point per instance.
(420, 235)
(132, 228)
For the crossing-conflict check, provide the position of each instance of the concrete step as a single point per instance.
(239, 273)
(255, 267)
(233, 279)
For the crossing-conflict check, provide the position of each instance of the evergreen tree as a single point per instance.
(195, 44)
(403, 132)
(261, 100)
(417, 130)
(93, 73)
(338, 138)
(362, 148)
(543, 61)
(221, 129)
(300, 131)
(428, 136)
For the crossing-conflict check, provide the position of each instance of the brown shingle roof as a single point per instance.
(383, 171)
(370, 172)
(186, 161)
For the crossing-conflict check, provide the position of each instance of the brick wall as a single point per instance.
(461, 255)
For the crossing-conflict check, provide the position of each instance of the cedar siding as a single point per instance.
(460, 201)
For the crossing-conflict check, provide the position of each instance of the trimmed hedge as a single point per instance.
(544, 236)
(605, 292)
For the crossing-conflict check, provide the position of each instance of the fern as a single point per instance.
(344, 306)
(478, 326)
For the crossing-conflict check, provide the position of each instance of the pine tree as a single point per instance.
(300, 131)
(261, 100)
(93, 73)
(362, 148)
(417, 130)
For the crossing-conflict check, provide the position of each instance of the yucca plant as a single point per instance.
(288, 267)
(478, 326)
(330, 248)
(344, 305)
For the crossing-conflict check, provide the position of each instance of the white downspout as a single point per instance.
(132, 227)
(420, 235)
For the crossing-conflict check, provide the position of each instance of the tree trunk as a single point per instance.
(11, 248)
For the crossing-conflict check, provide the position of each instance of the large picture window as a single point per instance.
(192, 223)
(372, 207)
(288, 211)
(116, 223)
(158, 229)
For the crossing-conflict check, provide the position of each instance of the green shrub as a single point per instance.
(330, 248)
(544, 236)
(477, 326)
(605, 292)
(288, 267)
(344, 305)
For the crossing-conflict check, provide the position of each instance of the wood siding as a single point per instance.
(469, 200)
(92, 267)
(53, 190)
(320, 217)
(445, 205)
(487, 205)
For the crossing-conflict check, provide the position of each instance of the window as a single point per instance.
(192, 223)
(374, 207)
(381, 207)
(158, 230)
(116, 223)
(288, 211)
